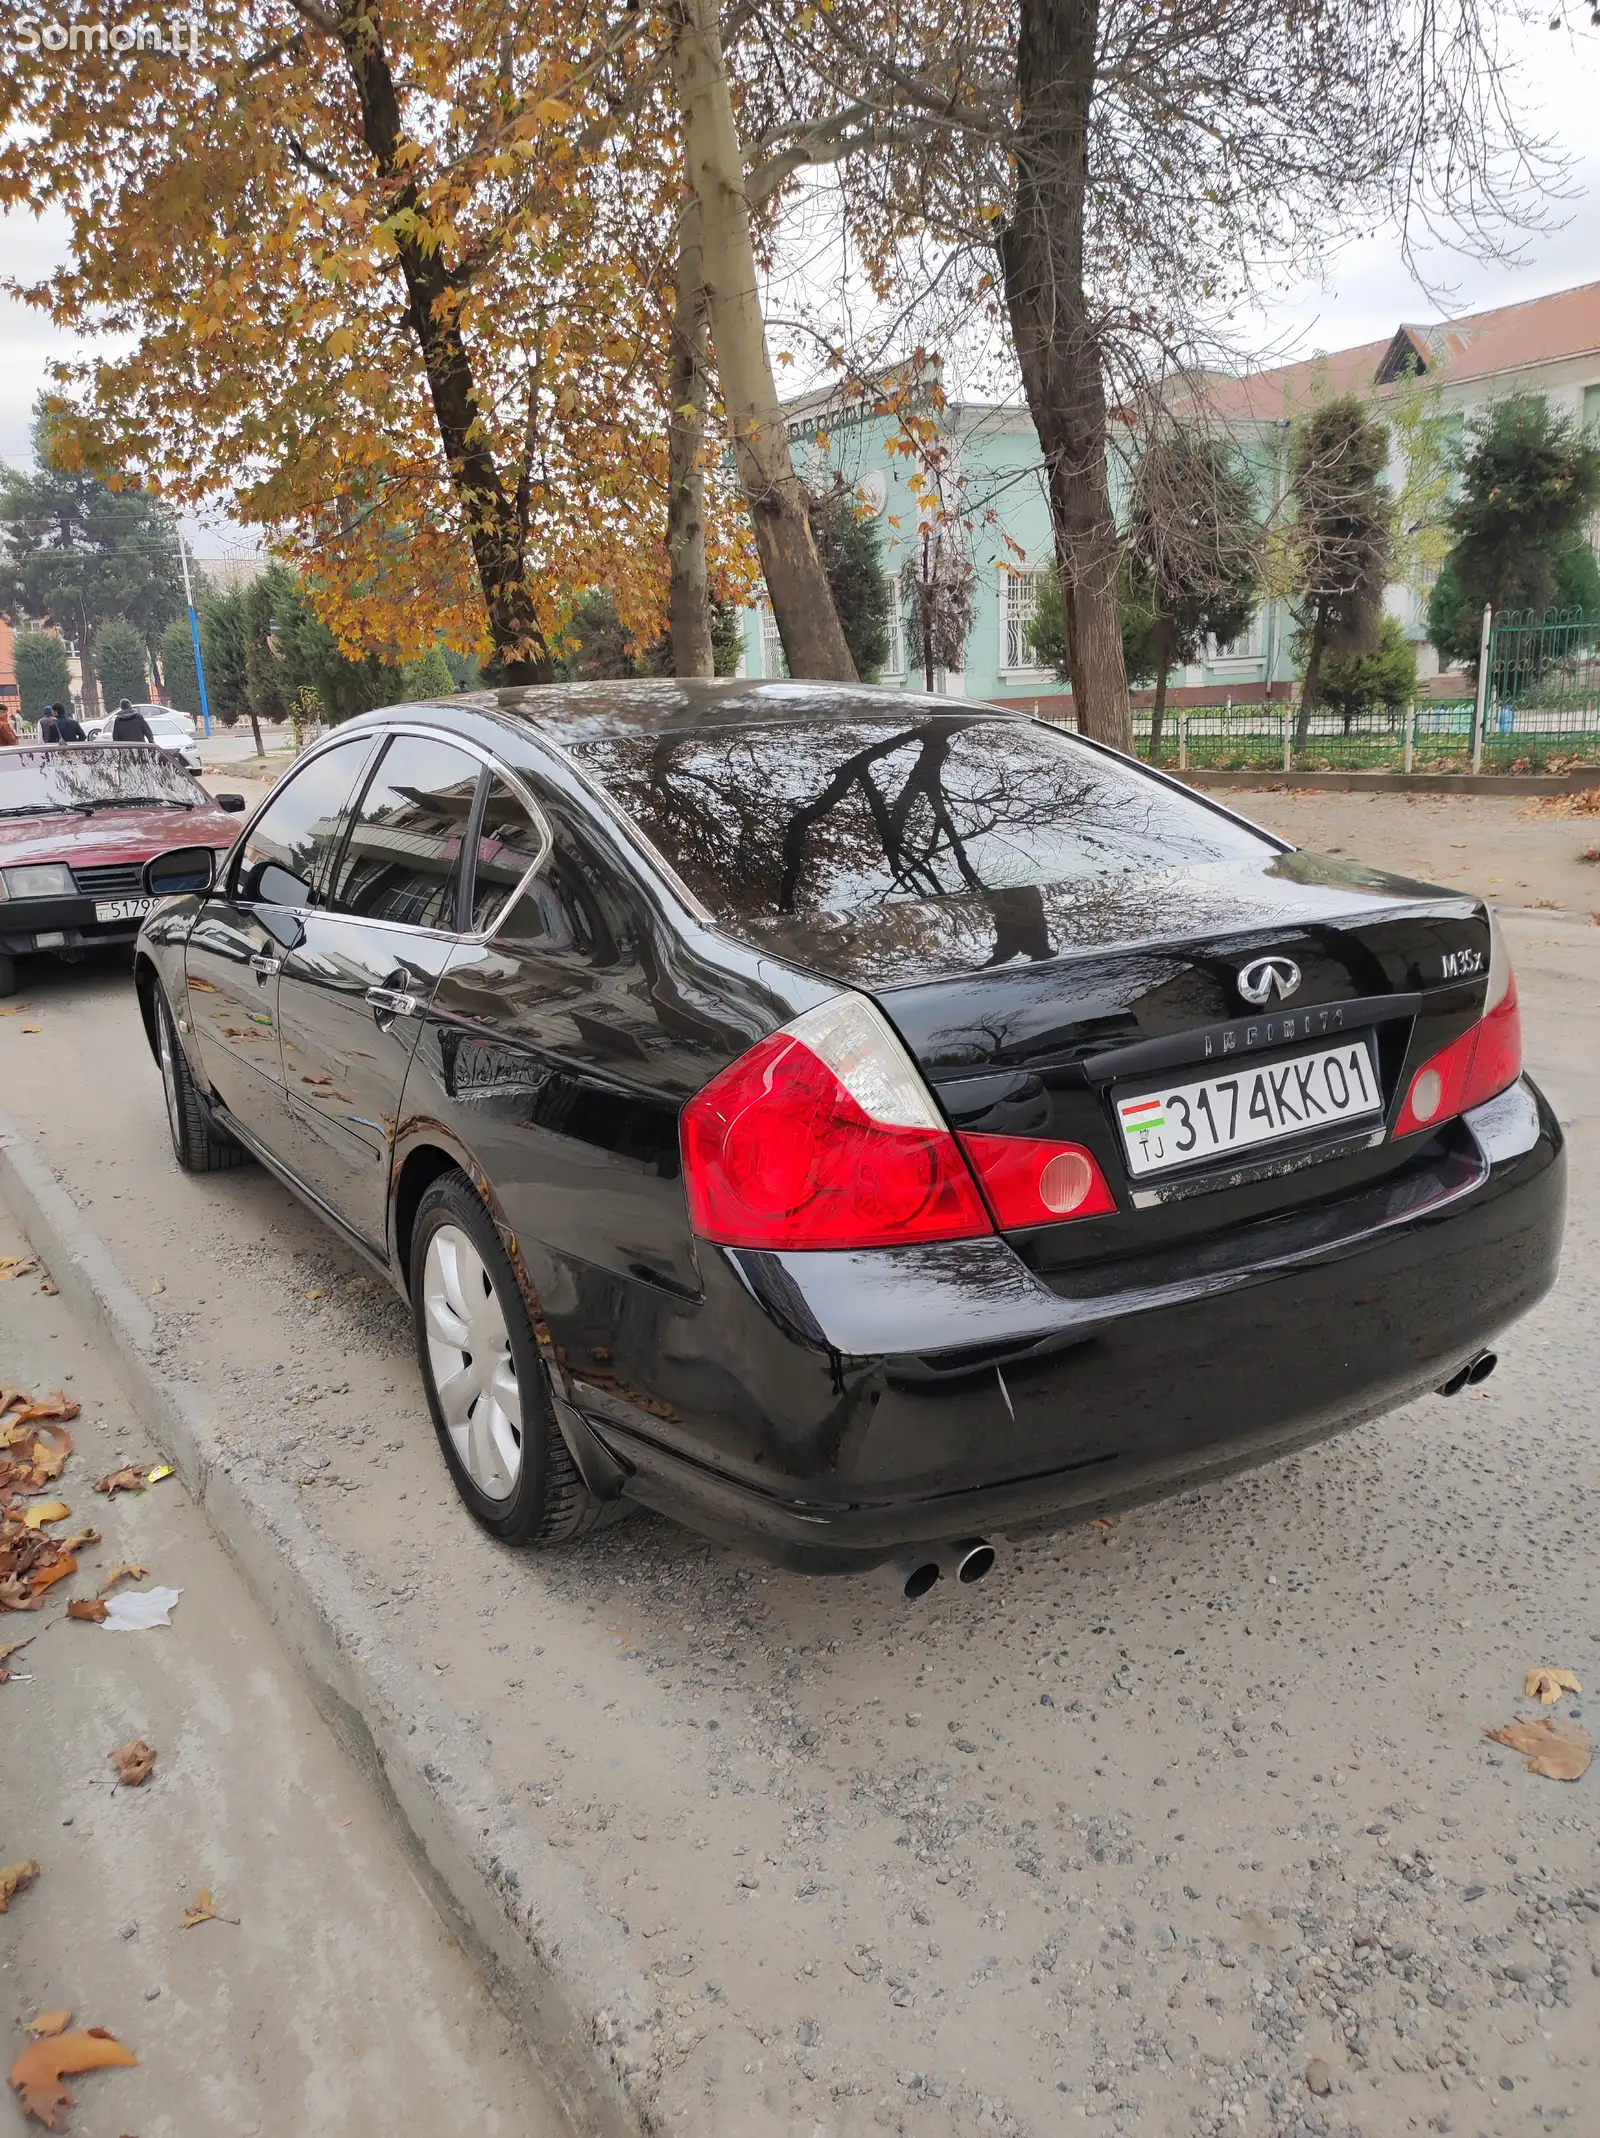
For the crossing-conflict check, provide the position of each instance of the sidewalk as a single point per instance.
(336, 2006)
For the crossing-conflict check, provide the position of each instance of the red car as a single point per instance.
(78, 821)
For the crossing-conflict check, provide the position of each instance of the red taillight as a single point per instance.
(823, 1135)
(1030, 1182)
(1477, 1066)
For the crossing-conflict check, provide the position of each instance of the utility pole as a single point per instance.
(194, 635)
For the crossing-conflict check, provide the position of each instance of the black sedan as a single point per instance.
(850, 1122)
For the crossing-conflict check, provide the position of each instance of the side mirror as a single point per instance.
(186, 868)
(232, 803)
(269, 884)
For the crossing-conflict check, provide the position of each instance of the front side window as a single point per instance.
(296, 833)
(402, 859)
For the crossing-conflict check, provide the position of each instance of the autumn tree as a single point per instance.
(1338, 543)
(393, 280)
(1193, 557)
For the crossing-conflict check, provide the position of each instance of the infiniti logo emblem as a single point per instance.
(1266, 977)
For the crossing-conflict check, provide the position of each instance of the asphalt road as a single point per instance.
(1130, 1833)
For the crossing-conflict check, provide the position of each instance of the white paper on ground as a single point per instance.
(136, 1610)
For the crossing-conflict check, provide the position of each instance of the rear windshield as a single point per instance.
(69, 776)
(841, 815)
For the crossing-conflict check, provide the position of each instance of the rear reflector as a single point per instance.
(1482, 1063)
(824, 1136)
(1031, 1182)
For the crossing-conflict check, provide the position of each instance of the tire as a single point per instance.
(195, 1143)
(8, 973)
(496, 1427)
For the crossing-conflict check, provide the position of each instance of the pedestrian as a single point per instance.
(9, 738)
(130, 725)
(47, 725)
(68, 726)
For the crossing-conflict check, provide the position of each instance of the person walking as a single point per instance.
(47, 725)
(68, 726)
(130, 725)
(9, 738)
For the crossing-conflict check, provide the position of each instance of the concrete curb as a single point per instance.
(1404, 782)
(554, 1959)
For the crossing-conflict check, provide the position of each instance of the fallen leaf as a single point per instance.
(79, 1538)
(45, 1577)
(51, 1447)
(36, 2074)
(13, 1877)
(33, 1028)
(10, 1649)
(200, 1910)
(1552, 1747)
(17, 1266)
(1548, 1685)
(89, 1607)
(50, 2023)
(43, 1511)
(16, 1594)
(124, 1480)
(1101, 1522)
(133, 1762)
(53, 1406)
(117, 1573)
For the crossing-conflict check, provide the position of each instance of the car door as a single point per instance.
(355, 992)
(236, 948)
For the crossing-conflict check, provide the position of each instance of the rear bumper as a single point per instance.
(825, 1409)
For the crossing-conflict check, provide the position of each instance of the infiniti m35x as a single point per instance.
(847, 1121)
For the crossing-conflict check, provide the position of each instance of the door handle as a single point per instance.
(262, 966)
(393, 1002)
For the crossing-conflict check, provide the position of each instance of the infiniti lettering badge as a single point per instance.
(1266, 977)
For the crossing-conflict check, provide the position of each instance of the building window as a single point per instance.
(895, 660)
(772, 660)
(1019, 606)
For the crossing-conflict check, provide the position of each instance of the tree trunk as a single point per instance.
(802, 604)
(1312, 680)
(493, 524)
(89, 687)
(1158, 712)
(686, 477)
(1041, 256)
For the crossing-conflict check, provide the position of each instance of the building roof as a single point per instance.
(1478, 346)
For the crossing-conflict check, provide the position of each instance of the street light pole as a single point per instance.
(194, 635)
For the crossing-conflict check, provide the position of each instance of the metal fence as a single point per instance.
(1538, 710)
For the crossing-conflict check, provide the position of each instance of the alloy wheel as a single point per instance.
(469, 1356)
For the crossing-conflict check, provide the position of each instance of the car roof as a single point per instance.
(569, 713)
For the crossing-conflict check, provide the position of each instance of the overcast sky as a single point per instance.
(1367, 291)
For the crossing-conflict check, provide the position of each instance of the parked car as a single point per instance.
(849, 1123)
(78, 821)
(174, 732)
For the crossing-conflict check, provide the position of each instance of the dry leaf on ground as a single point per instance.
(119, 1573)
(88, 1607)
(51, 1406)
(203, 1909)
(36, 2074)
(133, 1761)
(1548, 1685)
(13, 1877)
(79, 1538)
(45, 1577)
(52, 1445)
(127, 1479)
(50, 2023)
(1551, 1747)
(17, 1265)
(43, 1511)
(8, 1649)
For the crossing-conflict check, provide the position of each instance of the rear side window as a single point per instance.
(509, 842)
(841, 815)
(403, 857)
(300, 826)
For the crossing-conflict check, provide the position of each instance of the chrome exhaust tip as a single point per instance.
(914, 1573)
(1476, 1370)
(968, 1560)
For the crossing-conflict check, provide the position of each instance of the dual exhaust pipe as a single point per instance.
(915, 1571)
(1468, 1376)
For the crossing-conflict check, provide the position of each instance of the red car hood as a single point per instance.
(109, 835)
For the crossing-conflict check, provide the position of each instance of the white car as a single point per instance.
(173, 731)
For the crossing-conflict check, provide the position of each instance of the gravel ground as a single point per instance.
(1156, 1823)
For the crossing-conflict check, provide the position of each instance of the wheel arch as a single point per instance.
(146, 981)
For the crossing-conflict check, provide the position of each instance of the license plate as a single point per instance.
(123, 909)
(1183, 1124)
